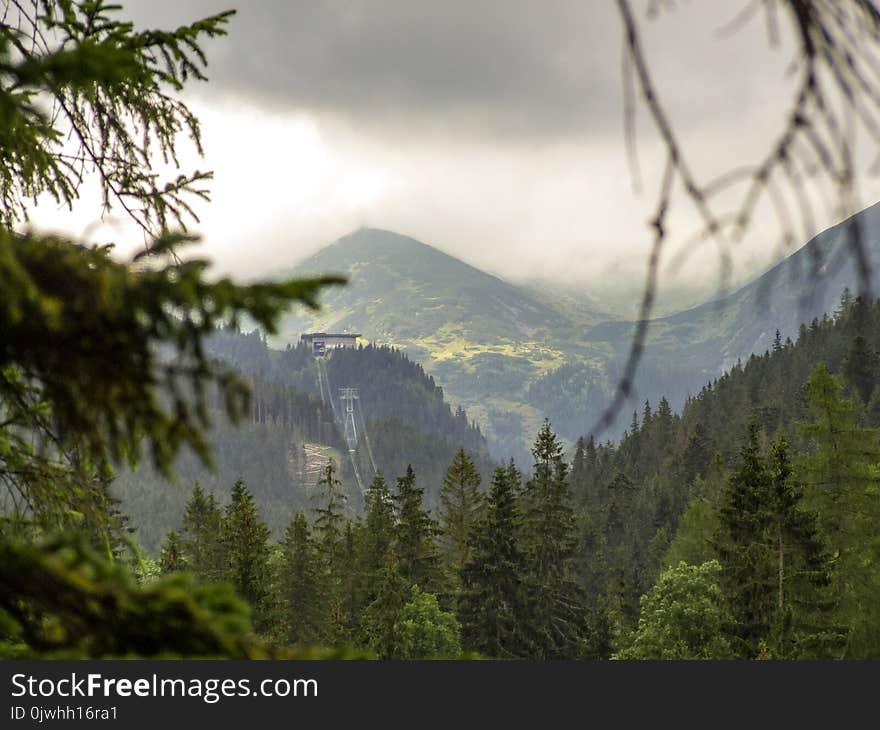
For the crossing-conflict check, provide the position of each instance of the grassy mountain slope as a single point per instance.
(513, 355)
(482, 338)
(687, 349)
(805, 285)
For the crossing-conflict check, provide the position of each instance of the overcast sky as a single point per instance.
(491, 129)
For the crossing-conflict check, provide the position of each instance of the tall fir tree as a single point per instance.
(747, 577)
(415, 535)
(330, 528)
(376, 538)
(245, 539)
(775, 572)
(201, 537)
(460, 504)
(556, 598)
(805, 623)
(172, 558)
(378, 626)
(330, 516)
(860, 369)
(493, 601)
(301, 606)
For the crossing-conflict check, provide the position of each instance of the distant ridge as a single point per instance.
(513, 355)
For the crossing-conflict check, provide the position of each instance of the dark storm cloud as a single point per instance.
(531, 68)
(489, 128)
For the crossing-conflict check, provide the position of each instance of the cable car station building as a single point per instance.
(321, 342)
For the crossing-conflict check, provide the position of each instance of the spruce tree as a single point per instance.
(748, 577)
(415, 532)
(302, 608)
(376, 538)
(860, 368)
(245, 540)
(804, 623)
(104, 359)
(460, 501)
(200, 539)
(172, 558)
(777, 341)
(330, 527)
(350, 584)
(378, 629)
(579, 462)
(330, 520)
(697, 455)
(492, 605)
(557, 602)
(775, 571)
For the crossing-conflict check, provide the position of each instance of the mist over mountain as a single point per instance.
(687, 349)
(482, 338)
(514, 354)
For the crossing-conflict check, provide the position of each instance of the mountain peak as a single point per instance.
(382, 240)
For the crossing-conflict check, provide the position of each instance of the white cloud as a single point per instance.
(487, 168)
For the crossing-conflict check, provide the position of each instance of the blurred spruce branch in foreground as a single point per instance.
(79, 363)
(101, 358)
(62, 600)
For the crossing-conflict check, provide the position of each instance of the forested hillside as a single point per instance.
(743, 526)
(291, 433)
(663, 493)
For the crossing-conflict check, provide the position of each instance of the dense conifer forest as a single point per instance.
(290, 433)
(742, 527)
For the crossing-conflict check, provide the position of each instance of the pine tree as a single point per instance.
(379, 622)
(860, 368)
(330, 526)
(460, 501)
(245, 540)
(302, 606)
(492, 604)
(748, 576)
(557, 607)
(377, 536)
(775, 572)
(172, 559)
(415, 532)
(200, 540)
(804, 625)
